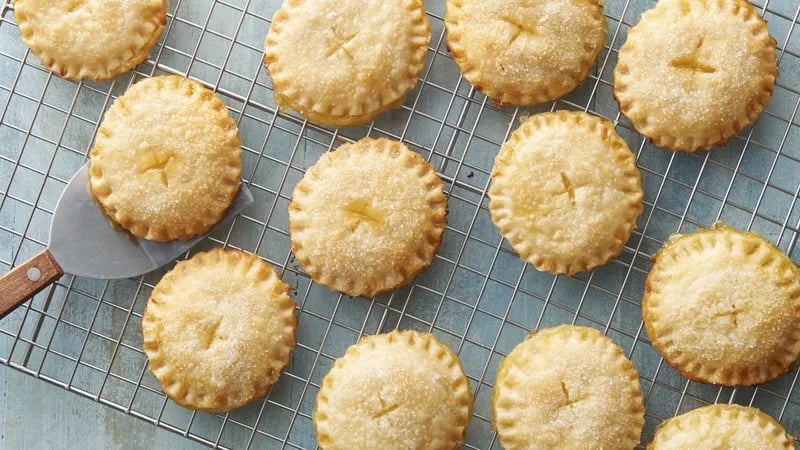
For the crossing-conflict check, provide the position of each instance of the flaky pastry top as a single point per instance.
(218, 329)
(367, 217)
(568, 387)
(565, 191)
(401, 390)
(166, 160)
(722, 427)
(522, 52)
(94, 39)
(722, 307)
(344, 62)
(693, 73)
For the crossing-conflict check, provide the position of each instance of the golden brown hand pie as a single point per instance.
(90, 39)
(567, 387)
(521, 52)
(344, 62)
(218, 329)
(166, 160)
(722, 307)
(367, 217)
(722, 427)
(565, 191)
(693, 73)
(395, 391)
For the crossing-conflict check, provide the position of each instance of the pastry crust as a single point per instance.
(521, 52)
(90, 39)
(401, 390)
(722, 306)
(367, 217)
(218, 329)
(722, 427)
(565, 191)
(344, 63)
(166, 160)
(694, 73)
(567, 387)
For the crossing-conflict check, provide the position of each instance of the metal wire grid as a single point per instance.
(477, 297)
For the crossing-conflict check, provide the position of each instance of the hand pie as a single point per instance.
(166, 160)
(95, 40)
(367, 217)
(396, 391)
(218, 329)
(694, 73)
(344, 62)
(522, 53)
(723, 307)
(565, 191)
(722, 427)
(567, 387)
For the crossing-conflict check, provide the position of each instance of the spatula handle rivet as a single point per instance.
(34, 274)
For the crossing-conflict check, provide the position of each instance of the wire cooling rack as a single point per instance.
(477, 297)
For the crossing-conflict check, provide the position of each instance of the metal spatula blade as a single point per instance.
(83, 243)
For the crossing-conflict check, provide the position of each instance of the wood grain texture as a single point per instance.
(16, 288)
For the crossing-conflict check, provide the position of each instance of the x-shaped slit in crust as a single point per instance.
(691, 61)
(568, 399)
(162, 164)
(733, 313)
(385, 408)
(361, 211)
(568, 188)
(211, 333)
(519, 28)
(341, 44)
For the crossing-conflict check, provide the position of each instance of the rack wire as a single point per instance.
(477, 297)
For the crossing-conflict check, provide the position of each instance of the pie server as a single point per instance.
(83, 243)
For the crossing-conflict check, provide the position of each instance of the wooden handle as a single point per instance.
(25, 280)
